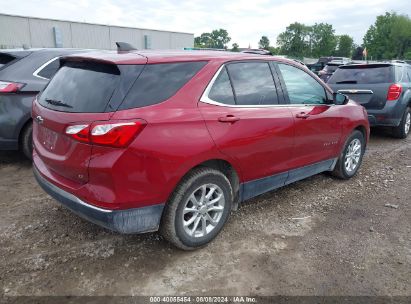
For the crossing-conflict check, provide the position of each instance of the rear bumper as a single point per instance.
(380, 120)
(389, 116)
(136, 220)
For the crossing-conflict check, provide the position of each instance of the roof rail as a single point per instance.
(125, 47)
(257, 52)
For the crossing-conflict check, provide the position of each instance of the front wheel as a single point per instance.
(198, 209)
(351, 157)
(403, 129)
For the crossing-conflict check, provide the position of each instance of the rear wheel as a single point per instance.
(26, 141)
(351, 157)
(403, 129)
(198, 209)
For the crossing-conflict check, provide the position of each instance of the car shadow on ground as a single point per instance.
(14, 157)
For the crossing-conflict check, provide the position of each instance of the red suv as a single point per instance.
(173, 141)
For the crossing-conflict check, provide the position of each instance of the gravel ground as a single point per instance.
(320, 236)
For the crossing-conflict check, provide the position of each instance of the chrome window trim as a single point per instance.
(36, 72)
(204, 98)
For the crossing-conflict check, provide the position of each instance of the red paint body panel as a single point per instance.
(259, 142)
(317, 136)
(183, 132)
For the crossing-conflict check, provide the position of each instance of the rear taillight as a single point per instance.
(117, 134)
(394, 92)
(79, 132)
(10, 87)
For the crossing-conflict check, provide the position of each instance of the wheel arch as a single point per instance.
(227, 169)
(364, 132)
(22, 129)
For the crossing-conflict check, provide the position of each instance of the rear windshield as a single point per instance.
(81, 87)
(5, 59)
(158, 82)
(363, 74)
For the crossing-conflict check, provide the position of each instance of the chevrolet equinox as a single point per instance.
(174, 141)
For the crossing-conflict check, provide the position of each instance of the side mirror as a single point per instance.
(340, 99)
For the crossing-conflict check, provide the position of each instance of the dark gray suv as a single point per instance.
(384, 89)
(23, 74)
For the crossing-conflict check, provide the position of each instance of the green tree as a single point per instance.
(322, 39)
(203, 41)
(273, 50)
(345, 46)
(217, 39)
(235, 47)
(294, 41)
(264, 43)
(389, 37)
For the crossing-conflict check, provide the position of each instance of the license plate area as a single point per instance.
(47, 138)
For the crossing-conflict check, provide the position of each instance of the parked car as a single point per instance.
(328, 70)
(141, 141)
(23, 74)
(384, 89)
(323, 61)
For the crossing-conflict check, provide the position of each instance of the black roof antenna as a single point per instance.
(124, 47)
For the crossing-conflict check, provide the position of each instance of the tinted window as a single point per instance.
(399, 73)
(302, 88)
(5, 59)
(159, 82)
(222, 90)
(331, 68)
(253, 83)
(409, 73)
(363, 74)
(49, 70)
(81, 87)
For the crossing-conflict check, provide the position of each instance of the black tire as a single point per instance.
(340, 169)
(400, 131)
(26, 141)
(172, 221)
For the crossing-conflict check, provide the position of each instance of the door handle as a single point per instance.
(228, 118)
(302, 115)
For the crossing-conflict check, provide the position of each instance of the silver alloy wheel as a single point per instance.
(203, 210)
(353, 155)
(407, 123)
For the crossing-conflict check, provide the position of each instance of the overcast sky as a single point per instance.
(245, 20)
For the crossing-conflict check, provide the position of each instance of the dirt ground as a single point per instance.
(320, 236)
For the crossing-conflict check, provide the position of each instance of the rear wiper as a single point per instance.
(346, 81)
(55, 102)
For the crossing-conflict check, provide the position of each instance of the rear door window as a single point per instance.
(81, 87)
(159, 82)
(253, 83)
(363, 75)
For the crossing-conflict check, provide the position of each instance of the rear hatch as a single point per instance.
(367, 84)
(82, 92)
